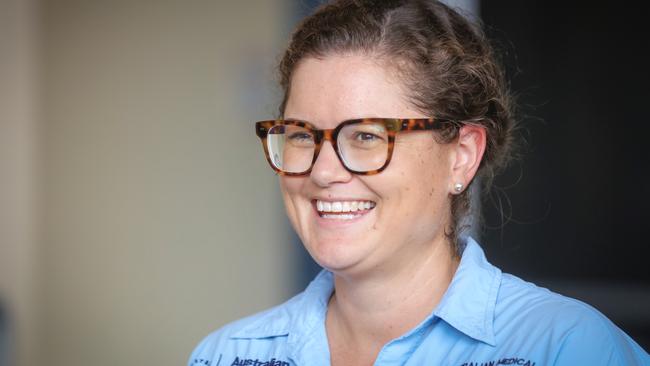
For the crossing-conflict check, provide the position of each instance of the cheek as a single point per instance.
(427, 171)
(290, 188)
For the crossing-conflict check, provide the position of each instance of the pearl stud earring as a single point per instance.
(458, 187)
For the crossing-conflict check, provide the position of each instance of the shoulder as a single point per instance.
(571, 331)
(239, 336)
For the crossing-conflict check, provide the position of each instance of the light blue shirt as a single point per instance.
(485, 318)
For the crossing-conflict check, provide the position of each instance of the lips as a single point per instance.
(343, 210)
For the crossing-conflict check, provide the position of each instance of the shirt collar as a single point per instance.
(469, 302)
(467, 305)
(298, 316)
(302, 319)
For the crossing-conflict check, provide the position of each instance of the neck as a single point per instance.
(375, 308)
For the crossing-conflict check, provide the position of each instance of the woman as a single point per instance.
(391, 111)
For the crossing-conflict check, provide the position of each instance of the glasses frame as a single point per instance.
(392, 125)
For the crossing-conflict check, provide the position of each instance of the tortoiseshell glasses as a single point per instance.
(364, 146)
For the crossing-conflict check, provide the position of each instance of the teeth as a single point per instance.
(327, 207)
(340, 216)
(343, 206)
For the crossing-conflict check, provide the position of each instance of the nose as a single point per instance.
(327, 168)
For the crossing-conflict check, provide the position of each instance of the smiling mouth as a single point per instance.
(343, 210)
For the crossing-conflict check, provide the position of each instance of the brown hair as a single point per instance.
(443, 59)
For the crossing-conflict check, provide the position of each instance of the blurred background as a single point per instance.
(137, 213)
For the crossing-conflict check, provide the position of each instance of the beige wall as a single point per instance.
(160, 220)
(18, 173)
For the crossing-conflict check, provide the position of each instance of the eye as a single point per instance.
(300, 136)
(302, 139)
(361, 136)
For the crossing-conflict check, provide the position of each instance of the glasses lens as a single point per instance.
(291, 148)
(363, 146)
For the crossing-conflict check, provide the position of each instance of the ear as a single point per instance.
(469, 150)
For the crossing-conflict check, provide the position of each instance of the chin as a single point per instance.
(338, 256)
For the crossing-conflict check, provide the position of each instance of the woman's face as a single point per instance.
(409, 199)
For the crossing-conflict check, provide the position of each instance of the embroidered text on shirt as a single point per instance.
(257, 362)
(503, 361)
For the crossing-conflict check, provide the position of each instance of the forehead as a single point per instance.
(339, 87)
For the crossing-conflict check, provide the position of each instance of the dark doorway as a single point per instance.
(577, 201)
